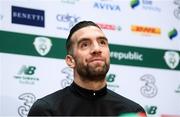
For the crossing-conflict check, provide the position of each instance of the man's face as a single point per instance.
(91, 53)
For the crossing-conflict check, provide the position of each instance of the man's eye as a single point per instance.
(102, 42)
(84, 45)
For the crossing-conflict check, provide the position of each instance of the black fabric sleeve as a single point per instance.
(141, 110)
(40, 108)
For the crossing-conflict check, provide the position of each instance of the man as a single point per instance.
(89, 56)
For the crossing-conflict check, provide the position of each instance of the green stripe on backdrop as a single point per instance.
(18, 43)
(145, 57)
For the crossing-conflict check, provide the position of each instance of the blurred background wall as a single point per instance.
(144, 42)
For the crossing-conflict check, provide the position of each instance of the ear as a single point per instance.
(70, 61)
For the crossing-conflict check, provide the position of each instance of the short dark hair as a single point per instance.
(76, 27)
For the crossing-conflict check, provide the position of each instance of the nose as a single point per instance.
(96, 49)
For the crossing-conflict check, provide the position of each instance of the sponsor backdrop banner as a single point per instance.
(144, 49)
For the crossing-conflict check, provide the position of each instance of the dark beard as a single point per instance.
(90, 73)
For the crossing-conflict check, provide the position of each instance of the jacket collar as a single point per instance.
(89, 94)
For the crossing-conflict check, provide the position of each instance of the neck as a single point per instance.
(90, 85)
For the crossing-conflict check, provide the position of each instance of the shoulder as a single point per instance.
(47, 104)
(56, 96)
(53, 98)
(125, 102)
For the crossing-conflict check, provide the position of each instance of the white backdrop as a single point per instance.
(144, 41)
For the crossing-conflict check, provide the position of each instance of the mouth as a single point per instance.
(96, 60)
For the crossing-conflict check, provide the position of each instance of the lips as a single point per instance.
(96, 59)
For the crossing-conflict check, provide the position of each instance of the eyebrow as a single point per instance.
(102, 37)
(81, 40)
(86, 39)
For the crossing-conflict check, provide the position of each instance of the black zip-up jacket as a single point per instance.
(76, 101)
